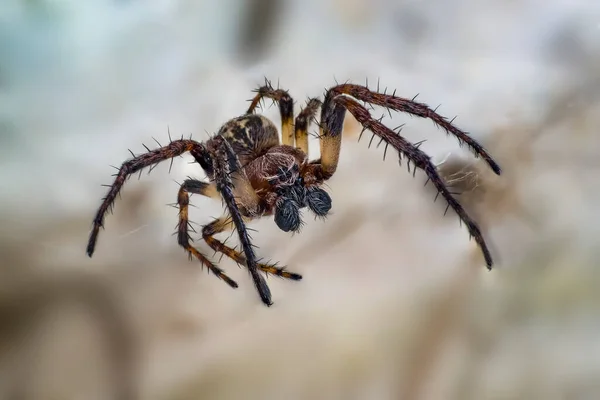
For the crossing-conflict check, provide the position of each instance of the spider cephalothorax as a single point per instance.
(257, 175)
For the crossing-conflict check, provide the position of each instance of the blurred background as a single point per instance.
(396, 302)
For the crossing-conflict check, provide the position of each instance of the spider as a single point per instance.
(255, 175)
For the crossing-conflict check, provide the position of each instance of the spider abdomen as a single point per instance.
(250, 136)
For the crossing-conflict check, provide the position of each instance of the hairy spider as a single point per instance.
(256, 175)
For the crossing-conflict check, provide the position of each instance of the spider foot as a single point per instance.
(273, 269)
(218, 272)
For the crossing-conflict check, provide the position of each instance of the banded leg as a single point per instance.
(286, 109)
(245, 195)
(417, 157)
(307, 114)
(224, 161)
(152, 157)
(331, 146)
(183, 236)
(223, 224)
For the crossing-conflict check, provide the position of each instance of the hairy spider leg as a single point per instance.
(303, 120)
(135, 164)
(286, 109)
(225, 163)
(223, 224)
(330, 140)
(413, 154)
(183, 236)
(411, 107)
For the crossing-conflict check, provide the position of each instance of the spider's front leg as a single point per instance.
(330, 135)
(223, 224)
(412, 107)
(227, 168)
(408, 150)
(173, 149)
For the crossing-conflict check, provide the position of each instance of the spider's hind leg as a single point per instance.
(223, 224)
(183, 235)
(412, 107)
(286, 109)
(303, 120)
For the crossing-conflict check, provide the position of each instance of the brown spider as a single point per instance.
(256, 175)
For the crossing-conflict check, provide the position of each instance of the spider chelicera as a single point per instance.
(256, 175)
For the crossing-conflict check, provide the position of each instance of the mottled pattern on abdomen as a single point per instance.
(250, 136)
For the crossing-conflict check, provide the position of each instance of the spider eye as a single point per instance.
(287, 215)
(318, 201)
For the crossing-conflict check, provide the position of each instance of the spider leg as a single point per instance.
(183, 235)
(173, 149)
(417, 157)
(286, 109)
(306, 115)
(222, 224)
(390, 102)
(225, 164)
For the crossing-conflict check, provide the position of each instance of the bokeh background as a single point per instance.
(396, 302)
